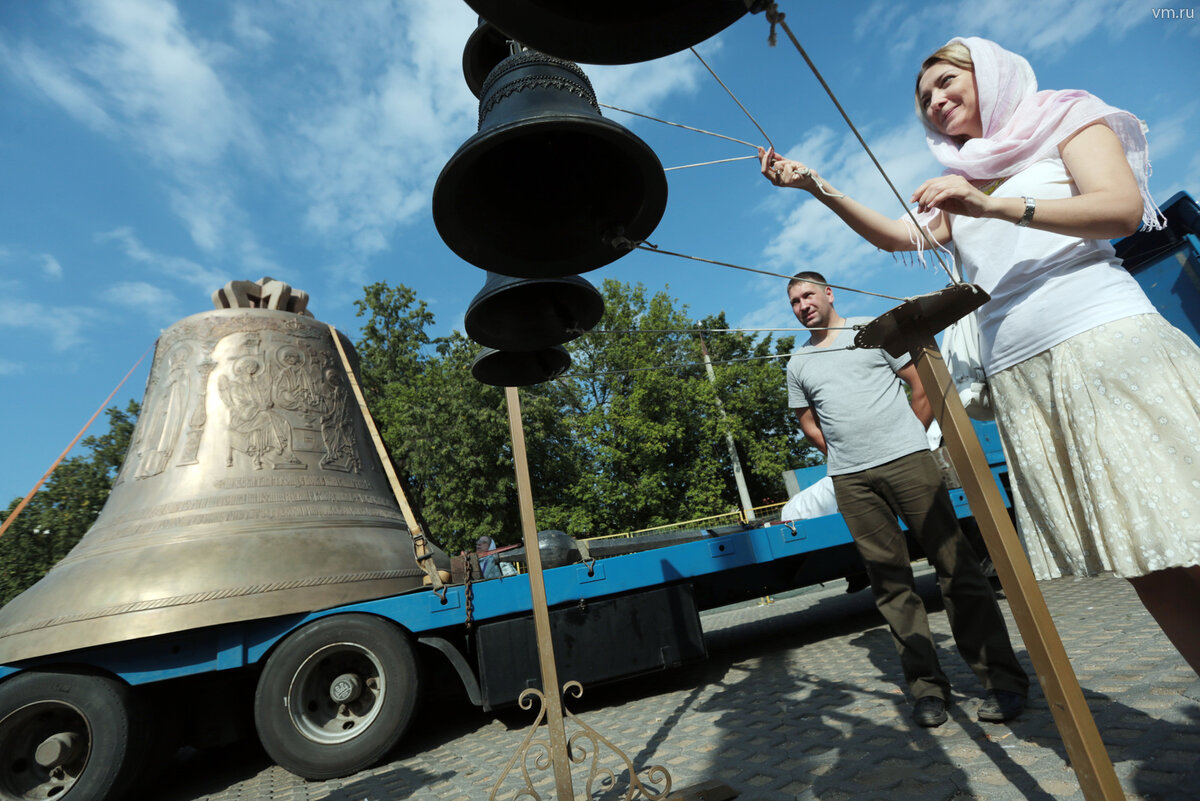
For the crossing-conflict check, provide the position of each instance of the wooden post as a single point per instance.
(432, 575)
(541, 613)
(1085, 750)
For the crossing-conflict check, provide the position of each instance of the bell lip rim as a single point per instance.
(585, 297)
(649, 216)
(733, 9)
(557, 350)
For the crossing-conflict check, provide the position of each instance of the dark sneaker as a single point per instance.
(930, 711)
(1001, 705)
(857, 581)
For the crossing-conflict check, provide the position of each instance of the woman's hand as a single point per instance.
(785, 172)
(952, 194)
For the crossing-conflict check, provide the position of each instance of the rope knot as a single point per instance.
(774, 16)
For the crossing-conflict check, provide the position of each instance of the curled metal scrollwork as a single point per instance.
(583, 747)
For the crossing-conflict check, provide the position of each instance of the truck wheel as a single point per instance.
(336, 695)
(68, 735)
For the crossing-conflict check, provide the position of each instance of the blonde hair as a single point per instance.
(955, 53)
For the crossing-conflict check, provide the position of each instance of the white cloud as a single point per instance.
(50, 267)
(62, 326)
(381, 122)
(1046, 29)
(206, 210)
(10, 368)
(356, 113)
(246, 28)
(131, 71)
(642, 86)
(154, 303)
(54, 80)
(159, 80)
(172, 267)
(1167, 135)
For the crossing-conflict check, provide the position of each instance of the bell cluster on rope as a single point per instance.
(511, 200)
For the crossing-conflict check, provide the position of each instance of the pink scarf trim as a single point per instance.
(1022, 126)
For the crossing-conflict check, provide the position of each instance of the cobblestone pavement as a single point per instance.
(799, 699)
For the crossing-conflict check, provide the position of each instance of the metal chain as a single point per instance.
(468, 592)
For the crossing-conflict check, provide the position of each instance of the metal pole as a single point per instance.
(541, 613)
(743, 493)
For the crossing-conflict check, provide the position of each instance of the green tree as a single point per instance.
(648, 425)
(448, 433)
(631, 437)
(750, 378)
(65, 507)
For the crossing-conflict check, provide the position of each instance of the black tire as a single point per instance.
(365, 660)
(67, 735)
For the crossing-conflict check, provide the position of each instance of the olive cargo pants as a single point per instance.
(912, 488)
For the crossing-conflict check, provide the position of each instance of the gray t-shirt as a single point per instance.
(859, 401)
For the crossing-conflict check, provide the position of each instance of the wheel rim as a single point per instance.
(336, 693)
(44, 748)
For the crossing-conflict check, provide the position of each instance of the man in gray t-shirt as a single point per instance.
(852, 407)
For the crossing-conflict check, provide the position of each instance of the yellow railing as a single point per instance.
(728, 518)
(761, 513)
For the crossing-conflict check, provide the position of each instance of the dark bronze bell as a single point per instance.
(613, 31)
(532, 313)
(547, 187)
(503, 368)
(486, 47)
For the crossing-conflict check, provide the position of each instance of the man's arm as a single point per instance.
(919, 401)
(811, 427)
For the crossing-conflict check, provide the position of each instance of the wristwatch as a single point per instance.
(1027, 217)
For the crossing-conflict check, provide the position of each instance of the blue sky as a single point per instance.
(151, 151)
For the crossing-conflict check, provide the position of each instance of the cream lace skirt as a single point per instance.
(1102, 435)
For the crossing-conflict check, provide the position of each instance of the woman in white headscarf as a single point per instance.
(1095, 394)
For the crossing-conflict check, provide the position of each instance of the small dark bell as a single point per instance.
(547, 187)
(612, 31)
(532, 313)
(502, 368)
(486, 47)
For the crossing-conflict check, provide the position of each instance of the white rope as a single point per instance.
(680, 125)
(732, 95)
(715, 330)
(685, 365)
(706, 163)
(655, 249)
(776, 17)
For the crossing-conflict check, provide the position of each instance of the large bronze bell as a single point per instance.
(547, 187)
(502, 368)
(251, 489)
(613, 31)
(532, 313)
(486, 47)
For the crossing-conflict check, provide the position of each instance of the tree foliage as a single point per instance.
(65, 507)
(632, 437)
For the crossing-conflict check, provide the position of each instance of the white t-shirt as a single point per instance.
(1045, 288)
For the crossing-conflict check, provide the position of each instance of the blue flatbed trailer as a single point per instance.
(351, 675)
(611, 618)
